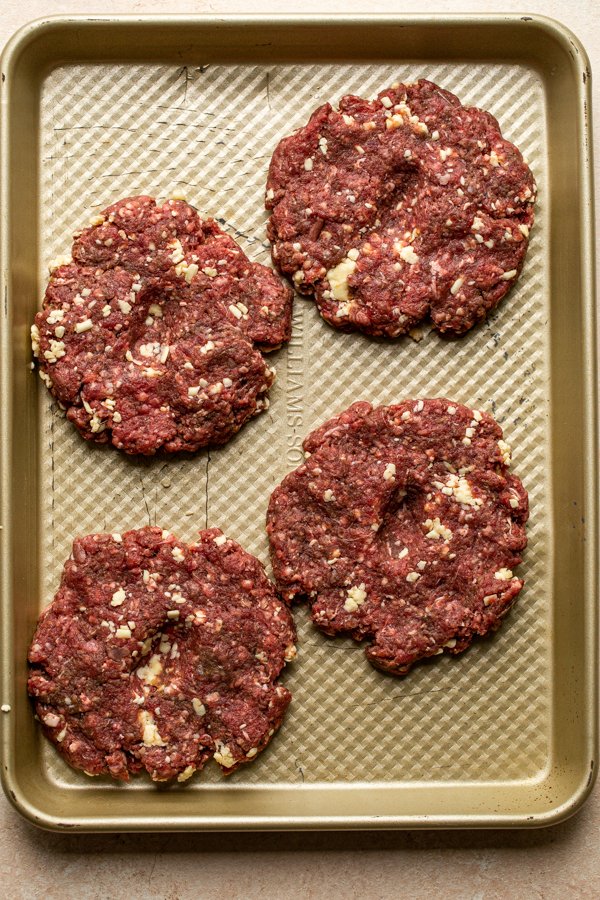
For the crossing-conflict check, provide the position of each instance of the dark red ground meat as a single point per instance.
(401, 208)
(158, 655)
(149, 336)
(402, 527)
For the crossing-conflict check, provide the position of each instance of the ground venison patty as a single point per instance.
(407, 206)
(149, 335)
(157, 655)
(402, 527)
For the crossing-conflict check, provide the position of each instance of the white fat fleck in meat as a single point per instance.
(177, 254)
(503, 575)
(343, 310)
(187, 270)
(505, 451)
(123, 631)
(54, 316)
(224, 756)
(436, 530)
(51, 720)
(150, 733)
(356, 597)
(150, 673)
(389, 473)
(198, 707)
(118, 597)
(96, 424)
(460, 488)
(406, 253)
(177, 554)
(150, 349)
(338, 278)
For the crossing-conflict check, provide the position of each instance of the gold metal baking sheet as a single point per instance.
(96, 109)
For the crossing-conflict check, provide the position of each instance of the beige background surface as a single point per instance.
(563, 861)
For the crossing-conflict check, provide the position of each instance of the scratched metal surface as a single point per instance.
(112, 131)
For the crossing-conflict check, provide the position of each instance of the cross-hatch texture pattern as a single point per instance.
(112, 131)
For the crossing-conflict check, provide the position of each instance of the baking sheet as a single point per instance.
(108, 130)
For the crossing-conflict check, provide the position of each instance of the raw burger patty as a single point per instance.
(396, 209)
(157, 655)
(148, 336)
(402, 527)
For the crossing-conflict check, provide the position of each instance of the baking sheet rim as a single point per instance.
(13, 49)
